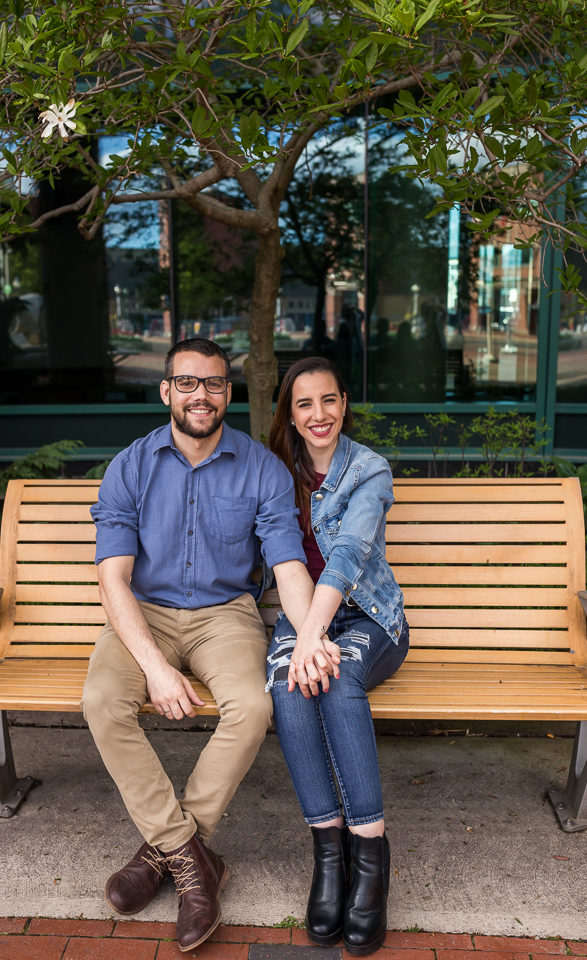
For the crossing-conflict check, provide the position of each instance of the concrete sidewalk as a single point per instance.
(475, 847)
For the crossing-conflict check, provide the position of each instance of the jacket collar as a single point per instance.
(339, 463)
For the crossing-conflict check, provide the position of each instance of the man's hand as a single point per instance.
(314, 660)
(171, 693)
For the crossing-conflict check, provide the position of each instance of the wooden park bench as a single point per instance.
(490, 569)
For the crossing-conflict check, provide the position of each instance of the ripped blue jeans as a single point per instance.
(329, 740)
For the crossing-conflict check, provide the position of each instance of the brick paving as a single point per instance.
(50, 939)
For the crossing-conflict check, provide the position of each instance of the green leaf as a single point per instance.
(3, 42)
(487, 107)
(200, 121)
(427, 15)
(251, 30)
(297, 36)
(443, 95)
(439, 157)
(371, 58)
(564, 468)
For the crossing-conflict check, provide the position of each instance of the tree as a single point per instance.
(490, 94)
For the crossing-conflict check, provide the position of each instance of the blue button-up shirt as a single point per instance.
(197, 533)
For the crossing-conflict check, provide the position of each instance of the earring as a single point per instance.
(293, 423)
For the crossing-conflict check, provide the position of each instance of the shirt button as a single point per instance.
(188, 564)
(374, 609)
(189, 594)
(190, 533)
(319, 496)
(191, 501)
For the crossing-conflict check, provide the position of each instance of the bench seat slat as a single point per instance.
(56, 572)
(471, 512)
(417, 617)
(56, 552)
(490, 533)
(482, 491)
(405, 575)
(50, 634)
(29, 613)
(74, 494)
(65, 651)
(414, 596)
(475, 576)
(484, 554)
(55, 633)
(56, 512)
(490, 656)
(55, 532)
(526, 639)
(439, 617)
(452, 692)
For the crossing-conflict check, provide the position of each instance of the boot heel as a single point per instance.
(366, 948)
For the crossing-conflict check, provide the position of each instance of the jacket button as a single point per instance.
(374, 609)
(354, 586)
(316, 529)
(396, 634)
(319, 496)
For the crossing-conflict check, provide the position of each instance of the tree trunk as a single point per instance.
(260, 367)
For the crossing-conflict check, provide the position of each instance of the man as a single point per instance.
(179, 520)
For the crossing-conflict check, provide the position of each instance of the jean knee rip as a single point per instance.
(356, 641)
(280, 660)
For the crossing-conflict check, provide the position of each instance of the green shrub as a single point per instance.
(44, 464)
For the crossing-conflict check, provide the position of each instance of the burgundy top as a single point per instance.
(316, 561)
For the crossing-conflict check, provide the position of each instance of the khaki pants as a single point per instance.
(225, 646)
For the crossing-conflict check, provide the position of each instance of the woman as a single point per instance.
(354, 632)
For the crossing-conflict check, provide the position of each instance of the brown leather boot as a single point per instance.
(132, 888)
(200, 876)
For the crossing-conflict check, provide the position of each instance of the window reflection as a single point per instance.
(451, 319)
(572, 342)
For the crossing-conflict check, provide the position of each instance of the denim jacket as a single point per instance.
(348, 519)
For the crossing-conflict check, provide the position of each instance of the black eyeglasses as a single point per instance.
(187, 384)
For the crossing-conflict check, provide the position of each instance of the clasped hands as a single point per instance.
(314, 660)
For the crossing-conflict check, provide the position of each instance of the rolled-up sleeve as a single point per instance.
(115, 514)
(367, 510)
(276, 522)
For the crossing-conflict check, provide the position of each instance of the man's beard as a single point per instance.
(194, 429)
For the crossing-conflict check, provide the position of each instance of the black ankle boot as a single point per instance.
(325, 909)
(365, 914)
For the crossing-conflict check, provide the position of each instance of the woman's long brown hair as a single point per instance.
(284, 439)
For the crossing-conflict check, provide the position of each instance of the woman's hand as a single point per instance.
(314, 660)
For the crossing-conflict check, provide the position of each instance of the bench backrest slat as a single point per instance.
(489, 568)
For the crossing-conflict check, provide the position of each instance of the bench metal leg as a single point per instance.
(12, 790)
(570, 805)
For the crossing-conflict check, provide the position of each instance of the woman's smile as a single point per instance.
(321, 429)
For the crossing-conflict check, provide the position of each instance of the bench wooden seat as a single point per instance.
(490, 571)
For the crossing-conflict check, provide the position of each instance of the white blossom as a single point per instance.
(60, 117)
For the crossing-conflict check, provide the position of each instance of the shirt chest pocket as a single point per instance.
(232, 518)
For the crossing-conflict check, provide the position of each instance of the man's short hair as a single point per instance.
(207, 348)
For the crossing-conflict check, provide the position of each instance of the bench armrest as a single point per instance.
(582, 594)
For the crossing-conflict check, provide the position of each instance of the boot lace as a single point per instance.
(156, 861)
(184, 872)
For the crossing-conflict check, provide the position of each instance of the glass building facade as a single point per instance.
(419, 316)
